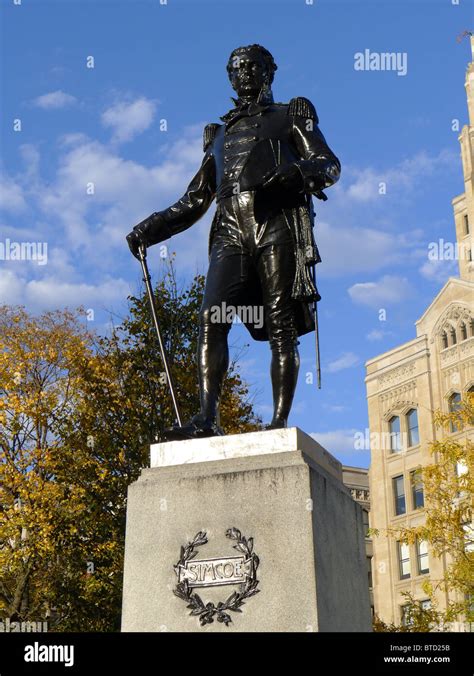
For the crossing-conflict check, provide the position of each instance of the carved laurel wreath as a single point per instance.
(207, 611)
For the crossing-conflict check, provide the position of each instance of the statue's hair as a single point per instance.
(265, 54)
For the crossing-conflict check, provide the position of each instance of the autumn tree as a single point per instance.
(39, 387)
(448, 485)
(78, 412)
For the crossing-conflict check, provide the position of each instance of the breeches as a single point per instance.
(242, 257)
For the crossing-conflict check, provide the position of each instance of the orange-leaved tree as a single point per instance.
(77, 415)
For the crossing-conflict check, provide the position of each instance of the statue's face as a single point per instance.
(247, 74)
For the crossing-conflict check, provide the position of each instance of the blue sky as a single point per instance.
(155, 62)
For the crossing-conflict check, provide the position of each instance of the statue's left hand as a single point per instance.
(286, 176)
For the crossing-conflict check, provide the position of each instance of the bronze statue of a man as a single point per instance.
(262, 165)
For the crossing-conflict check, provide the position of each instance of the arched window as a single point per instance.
(444, 340)
(463, 329)
(471, 391)
(454, 405)
(422, 556)
(453, 336)
(454, 402)
(471, 327)
(412, 425)
(395, 436)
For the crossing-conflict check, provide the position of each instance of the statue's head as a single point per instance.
(251, 70)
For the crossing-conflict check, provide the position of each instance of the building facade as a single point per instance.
(356, 479)
(405, 387)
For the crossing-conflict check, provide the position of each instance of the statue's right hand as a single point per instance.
(152, 230)
(133, 241)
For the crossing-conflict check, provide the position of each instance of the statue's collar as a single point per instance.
(264, 98)
(252, 108)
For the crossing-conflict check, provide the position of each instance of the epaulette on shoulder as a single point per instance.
(210, 131)
(302, 108)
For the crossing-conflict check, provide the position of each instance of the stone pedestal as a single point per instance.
(280, 488)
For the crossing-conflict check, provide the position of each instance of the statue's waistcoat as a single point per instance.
(249, 146)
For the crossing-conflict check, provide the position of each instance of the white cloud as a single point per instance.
(31, 159)
(11, 287)
(387, 290)
(335, 408)
(347, 250)
(54, 100)
(52, 292)
(127, 119)
(85, 233)
(125, 192)
(377, 334)
(336, 441)
(401, 178)
(345, 361)
(439, 270)
(11, 195)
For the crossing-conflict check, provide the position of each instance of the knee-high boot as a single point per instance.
(284, 372)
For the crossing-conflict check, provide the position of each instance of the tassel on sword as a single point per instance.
(316, 330)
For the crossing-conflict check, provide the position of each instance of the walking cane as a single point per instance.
(164, 356)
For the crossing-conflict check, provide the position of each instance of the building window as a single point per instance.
(463, 328)
(454, 406)
(365, 521)
(471, 327)
(412, 424)
(466, 224)
(395, 436)
(403, 560)
(416, 489)
(444, 340)
(399, 495)
(422, 557)
(454, 339)
(454, 402)
(461, 469)
(407, 612)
